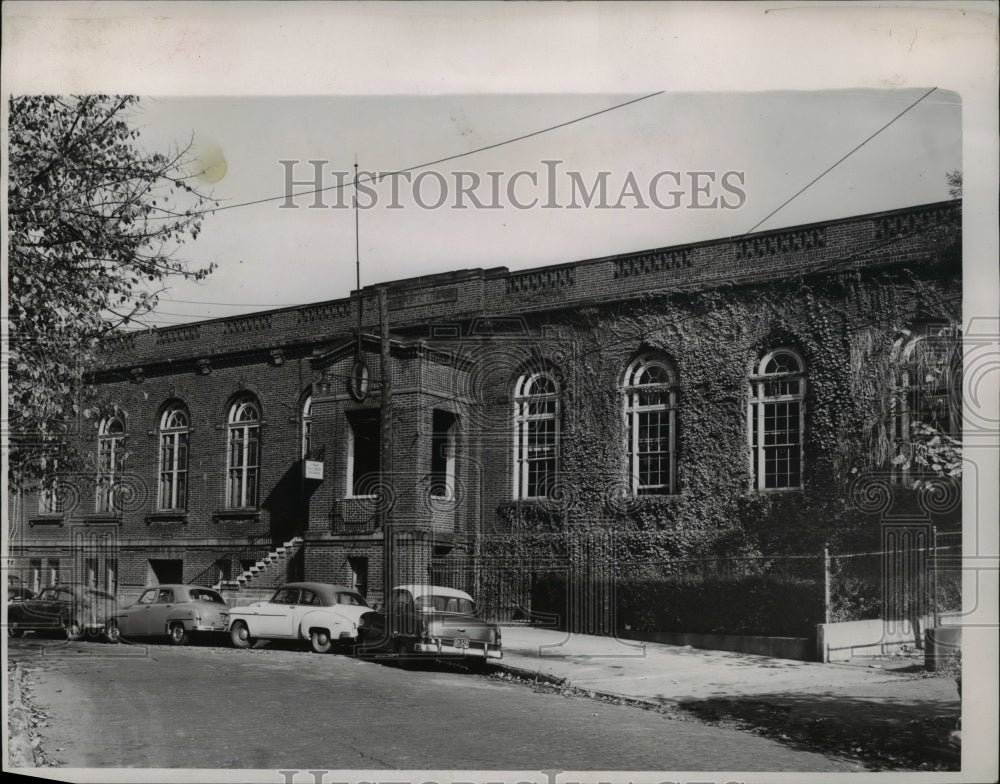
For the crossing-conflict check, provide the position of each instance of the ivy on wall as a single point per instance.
(844, 325)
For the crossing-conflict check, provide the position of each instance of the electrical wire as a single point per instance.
(834, 166)
(193, 213)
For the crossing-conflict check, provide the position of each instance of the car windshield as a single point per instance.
(453, 604)
(204, 595)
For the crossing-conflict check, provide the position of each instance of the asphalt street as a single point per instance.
(279, 708)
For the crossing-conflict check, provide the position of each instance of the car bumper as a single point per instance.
(219, 627)
(474, 651)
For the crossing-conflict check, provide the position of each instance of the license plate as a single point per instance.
(461, 642)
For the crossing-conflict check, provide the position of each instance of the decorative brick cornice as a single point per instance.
(645, 263)
(761, 246)
(541, 280)
(252, 323)
(179, 334)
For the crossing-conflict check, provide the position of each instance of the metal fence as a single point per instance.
(912, 577)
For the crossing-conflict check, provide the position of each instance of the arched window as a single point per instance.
(927, 402)
(244, 453)
(174, 426)
(110, 462)
(776, 417)
(536, 435)
(650, 389)
(307, 427)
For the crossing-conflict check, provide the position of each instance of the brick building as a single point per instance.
(710, 397)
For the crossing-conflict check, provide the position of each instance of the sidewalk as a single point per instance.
(888, 705)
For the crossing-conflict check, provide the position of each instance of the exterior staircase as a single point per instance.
(264, 574)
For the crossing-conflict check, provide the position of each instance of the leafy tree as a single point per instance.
(94, 224)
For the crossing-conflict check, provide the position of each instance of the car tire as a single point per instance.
(239, 635)
(74, 630)
(178, 634)
(112, 633)
(320, 640)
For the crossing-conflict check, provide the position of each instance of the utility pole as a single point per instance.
(386, 489)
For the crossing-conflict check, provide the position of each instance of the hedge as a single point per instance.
(761, 604)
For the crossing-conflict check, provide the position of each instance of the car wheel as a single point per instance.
(74, 630)
(178, 634)
(321, 642)
(240, 635)
(112, 633)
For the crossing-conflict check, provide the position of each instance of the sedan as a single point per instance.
(435, 622)
(325, 615)
(75, 610)
(177, 612)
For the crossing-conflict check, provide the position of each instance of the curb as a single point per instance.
(564, 683)
(20, 753)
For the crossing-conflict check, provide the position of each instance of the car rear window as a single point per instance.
(202, 595)
(453, 604)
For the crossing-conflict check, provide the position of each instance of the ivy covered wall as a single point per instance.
(845, 326)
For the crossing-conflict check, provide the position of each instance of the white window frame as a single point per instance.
(906, 386)
(633, 387)
(524, 420)
(756, 407)
(306, 423)
(174, 458)
(243, 480)
(110, 460)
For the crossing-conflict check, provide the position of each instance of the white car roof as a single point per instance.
(424, 589)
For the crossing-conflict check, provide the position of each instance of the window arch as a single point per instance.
(174, 434)
(536, 435)
(306, 421)
(243, 464)
(110, 462)
(650, 399)
(927, 404)
(776, 420)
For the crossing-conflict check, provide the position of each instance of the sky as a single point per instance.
(728, 158)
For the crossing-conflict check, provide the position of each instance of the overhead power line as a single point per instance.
(420, 165)
(835, 165)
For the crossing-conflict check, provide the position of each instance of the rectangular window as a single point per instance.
(90, 572)
(365, 454)
(35, 574)
(359, 573)
(776, 416)
(50, 500)
(443, 454)
(243, 467)
(111, 575)
(173, 470)
(165, 570)
(52, 569)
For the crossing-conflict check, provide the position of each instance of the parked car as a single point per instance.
(325, 615)
(436, 622)
(177, 612)
(18, 593)
(73, 609)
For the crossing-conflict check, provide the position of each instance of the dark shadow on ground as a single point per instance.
(901, 735)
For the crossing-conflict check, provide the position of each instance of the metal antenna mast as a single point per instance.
(357, 256)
